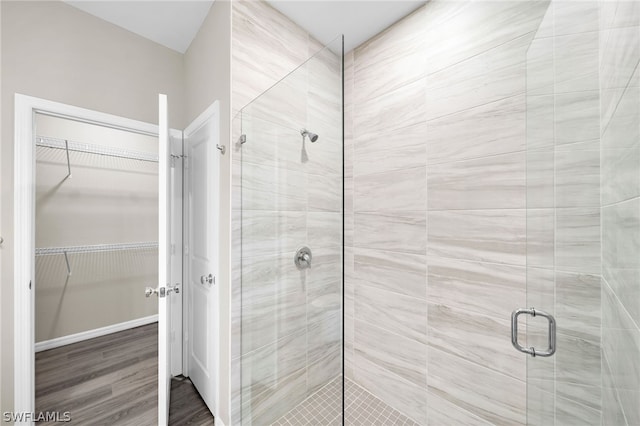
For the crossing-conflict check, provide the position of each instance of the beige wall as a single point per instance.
(107, 200)
(207, 71)
(54, 51)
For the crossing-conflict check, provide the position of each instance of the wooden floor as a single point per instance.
(112, 380)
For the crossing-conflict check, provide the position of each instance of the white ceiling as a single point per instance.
(174, 24)
(358, 20)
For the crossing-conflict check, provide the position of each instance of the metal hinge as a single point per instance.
(243, 139)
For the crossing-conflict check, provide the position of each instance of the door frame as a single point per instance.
(24, 228)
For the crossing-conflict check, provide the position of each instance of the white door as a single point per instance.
(201, 139)
(164, 289)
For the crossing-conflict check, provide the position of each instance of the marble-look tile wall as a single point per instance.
(563, 216)
(620, 186)
(435, 211)
(287, 193)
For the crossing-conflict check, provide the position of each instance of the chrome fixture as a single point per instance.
(207, 279)
(303, 258)
(312, 136)
(221, 148)
(162, 291)
(552, 332)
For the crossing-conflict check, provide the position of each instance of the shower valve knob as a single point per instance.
(303, 258)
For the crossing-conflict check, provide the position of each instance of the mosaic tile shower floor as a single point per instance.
(323, 408)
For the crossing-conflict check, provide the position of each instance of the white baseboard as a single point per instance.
(90, 334)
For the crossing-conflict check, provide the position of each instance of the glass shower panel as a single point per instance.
(583, 214)
(291, 249)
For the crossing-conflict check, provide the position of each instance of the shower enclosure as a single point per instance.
(491, 164)
(291, 244)
(583, 213)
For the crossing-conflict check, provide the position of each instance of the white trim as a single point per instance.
(97, 332)
(24, 226)
(217, 421)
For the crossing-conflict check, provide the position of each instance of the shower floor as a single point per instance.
(361, 409)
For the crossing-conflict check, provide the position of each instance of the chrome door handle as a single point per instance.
(162, 291)
(552, 332)
(207, 279)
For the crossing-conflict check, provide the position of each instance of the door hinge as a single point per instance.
(29, 285)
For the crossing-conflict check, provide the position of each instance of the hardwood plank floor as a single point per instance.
(112, 380)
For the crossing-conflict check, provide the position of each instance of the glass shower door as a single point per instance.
(583, 214)
(291, 250)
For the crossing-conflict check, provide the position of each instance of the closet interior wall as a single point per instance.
(107, 200)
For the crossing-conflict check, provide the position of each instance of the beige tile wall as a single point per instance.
(620, 186)
(287, 323)
(435, 203)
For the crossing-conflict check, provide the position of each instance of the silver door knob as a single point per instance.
(207, 279)
(148, 291)
(175, 288)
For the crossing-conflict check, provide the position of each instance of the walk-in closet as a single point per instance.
(96, 248)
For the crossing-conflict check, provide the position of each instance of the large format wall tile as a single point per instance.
(453, 32)
(403, 273)
(576, 62)
(540, 69)
(394, 352)
(496, 182)
(401, 232)
(490, 129)
(387, 151)
(391, 59)
(403, 315)
(396, 110)
(578, 240)
(496, 74)
(577, 117)
(492, 396)
(271, 318)
(565, 13)
(578, 305)
(621, 253)
(577, 178)
(620, 346)
(265, 232)
(485, 235)
(398, 190)
(265, 366)
(571, 413)
(474, 287)
(400, 394)
(540, 178)
(273, 188)
(475, 337)
(442, 412)
(619, 56)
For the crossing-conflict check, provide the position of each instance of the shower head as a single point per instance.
(312, 136)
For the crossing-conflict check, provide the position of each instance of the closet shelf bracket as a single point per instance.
(66, 258)
(66, 148)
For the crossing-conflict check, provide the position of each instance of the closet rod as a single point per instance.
(95, 149)
(45, 251)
